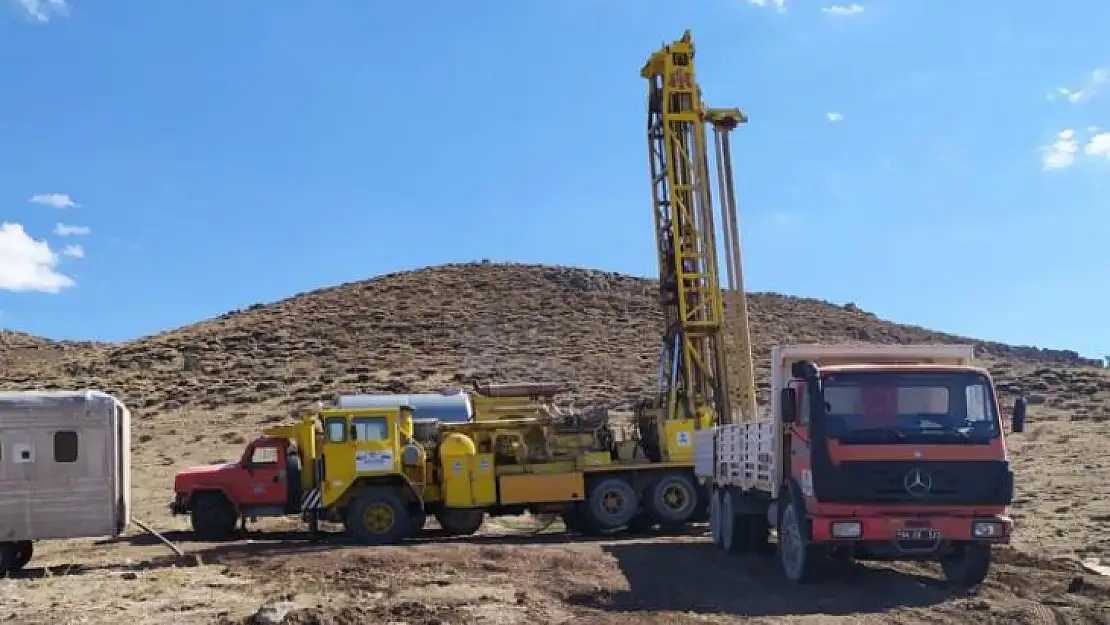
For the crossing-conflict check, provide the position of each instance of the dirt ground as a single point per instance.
(200, 392)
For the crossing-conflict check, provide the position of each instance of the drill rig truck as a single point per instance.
(380, 472)
(868, 451)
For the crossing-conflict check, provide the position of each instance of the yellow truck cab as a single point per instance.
(356, 466)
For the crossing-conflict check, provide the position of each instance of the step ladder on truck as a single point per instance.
(879, 452)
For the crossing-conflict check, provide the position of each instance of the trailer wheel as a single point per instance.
(967, 566)
(671, 498)
(213, 517)
(24, 550)
(9, 553)
(799, 559)
(377, 517)
(461, 522)
(611, 503)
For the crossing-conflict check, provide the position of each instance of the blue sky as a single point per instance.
(226, 153)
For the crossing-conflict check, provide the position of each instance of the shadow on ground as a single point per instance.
(695, 577)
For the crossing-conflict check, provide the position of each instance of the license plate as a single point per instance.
(917, 533)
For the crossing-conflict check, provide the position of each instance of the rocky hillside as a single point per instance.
(449, 325)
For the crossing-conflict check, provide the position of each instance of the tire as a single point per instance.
(715, 504)
(968, 565)
(9, 554)
(671, 499)
(25, 550)
(213, 517)
(799, 559)
(734, 529)
(377, 517)
(610, 504)
(461, 522)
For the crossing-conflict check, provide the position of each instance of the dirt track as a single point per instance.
(402, 333)
(508, 577)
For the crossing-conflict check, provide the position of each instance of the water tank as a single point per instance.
(444, 407)
(457, 444)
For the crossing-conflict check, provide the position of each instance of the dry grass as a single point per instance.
(452, 325)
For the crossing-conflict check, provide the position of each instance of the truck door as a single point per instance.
(265, 466)
(373, 447)
(798, 440)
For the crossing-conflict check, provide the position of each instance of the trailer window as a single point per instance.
(337, 429)
(65, 446)
(371, 429)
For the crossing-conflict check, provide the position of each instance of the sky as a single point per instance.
(945, 164)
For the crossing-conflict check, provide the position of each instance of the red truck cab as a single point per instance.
(259, 484)
(875, 452)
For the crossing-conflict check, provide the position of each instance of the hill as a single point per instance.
(200, 391)
(449, 325)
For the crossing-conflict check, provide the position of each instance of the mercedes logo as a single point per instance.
(918, 483)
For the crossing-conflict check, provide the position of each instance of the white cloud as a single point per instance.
(1095, 82)
(27, 264)
(843, 9)
(778, 4)
(54, 200)
(76, 251)
(65, 230)
(43, 11)
(1060, 153)
(834, 116)
(1098, 145)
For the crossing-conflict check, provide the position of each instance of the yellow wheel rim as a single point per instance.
(378, 518)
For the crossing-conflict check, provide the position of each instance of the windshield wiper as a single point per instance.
(892, 431)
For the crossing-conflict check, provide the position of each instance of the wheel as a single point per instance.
(213, 517)
(461, 522)
(715, 504)
(419, 519)
(800, 560)
(611, 503)
(671, 498)
(734, 531)
(967, 566)
(9, 555)
(377, 517)
(25, 549)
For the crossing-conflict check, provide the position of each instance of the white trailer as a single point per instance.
(65, 469)
(934, 483)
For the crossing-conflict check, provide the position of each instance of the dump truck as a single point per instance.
(875, 452)
(65, 469)
(380, 473)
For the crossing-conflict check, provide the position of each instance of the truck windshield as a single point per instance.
(869, 407)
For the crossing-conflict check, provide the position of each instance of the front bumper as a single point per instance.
(915, 529)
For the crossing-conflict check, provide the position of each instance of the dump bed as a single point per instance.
(746, 455)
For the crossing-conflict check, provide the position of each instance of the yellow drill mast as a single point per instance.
(694, 371)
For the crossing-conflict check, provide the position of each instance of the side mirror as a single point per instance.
(788, 405)
(803, 370)
(1017, 419)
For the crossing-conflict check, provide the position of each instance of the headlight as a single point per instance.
(986, 529)
(847, 529)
